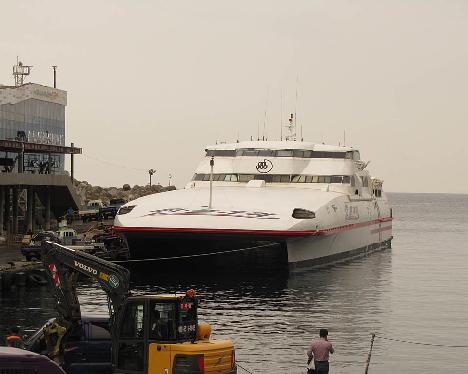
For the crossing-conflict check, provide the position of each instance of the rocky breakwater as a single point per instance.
(17, 274)
(88, 192)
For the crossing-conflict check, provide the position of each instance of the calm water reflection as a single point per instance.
(416, 291)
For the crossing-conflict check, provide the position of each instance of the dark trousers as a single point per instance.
(322, 367)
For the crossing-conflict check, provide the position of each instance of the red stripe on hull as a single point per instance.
(328, 231)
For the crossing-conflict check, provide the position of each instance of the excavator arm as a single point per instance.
(63, 266)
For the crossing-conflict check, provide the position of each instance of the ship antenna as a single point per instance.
(281, 122)
(265, 116)
(295, 106)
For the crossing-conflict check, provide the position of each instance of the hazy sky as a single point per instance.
(150, 83)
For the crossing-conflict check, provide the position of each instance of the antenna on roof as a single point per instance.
(20, 71)
(295, 106)
(281, 123)
(55, 75)
(265, 116)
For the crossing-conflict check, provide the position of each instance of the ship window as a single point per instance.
(266, 153)
(336, 179)
(324, 179)
(265, 177)
(319, 154)
(349, 155)
(250, 152)
(346, 179)
(245, 177)
(281, 178)
(198, 177)
(230, 178)
(298, 178)
(308, 179)
(221, 152)
(284, 153)
(323, 154)
(246, 152)
(298, 153)
(206, 177)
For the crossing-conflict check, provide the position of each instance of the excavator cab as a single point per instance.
(161, 334)
(157, 334)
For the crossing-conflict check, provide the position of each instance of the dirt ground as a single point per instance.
(11, 254)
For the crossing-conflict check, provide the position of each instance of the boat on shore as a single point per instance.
(265, 202)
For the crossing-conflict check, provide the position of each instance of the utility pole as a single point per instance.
(211, 182)
(55, 75)
(151, 172)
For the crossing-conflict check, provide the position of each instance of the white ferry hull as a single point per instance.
(177, 225)
(331, 248)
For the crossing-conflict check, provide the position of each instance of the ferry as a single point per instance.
(289, 203)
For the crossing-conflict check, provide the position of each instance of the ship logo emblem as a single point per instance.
(264, 166)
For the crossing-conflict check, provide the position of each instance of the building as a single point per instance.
(33, 113)
(35, 189)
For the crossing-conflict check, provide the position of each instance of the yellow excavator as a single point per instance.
(151, 333)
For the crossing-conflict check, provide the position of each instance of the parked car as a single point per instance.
(91, 212)
(15, 360)
(110, 211)
(88, 352)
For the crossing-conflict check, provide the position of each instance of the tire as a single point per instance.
(37, 279)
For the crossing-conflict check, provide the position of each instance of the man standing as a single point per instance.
(319, 351)
(13, 339)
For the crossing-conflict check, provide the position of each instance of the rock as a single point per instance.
(87, 192)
